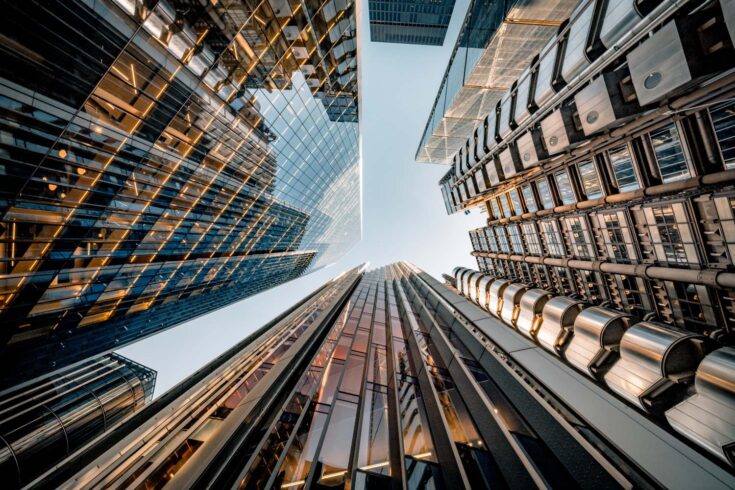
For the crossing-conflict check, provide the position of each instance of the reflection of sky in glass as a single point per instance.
(318, 168)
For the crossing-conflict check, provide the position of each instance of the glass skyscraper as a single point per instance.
(44, 421)
(161, 159)
(410, 21)
(389, 379)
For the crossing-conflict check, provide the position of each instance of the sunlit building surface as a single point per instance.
(389, 379)
(606, 169)
(410, 21)
(161, 159)
(44, 421)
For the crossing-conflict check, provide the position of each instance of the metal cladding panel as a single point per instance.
(545, 73)
(555, 132)
(708, 417)
(575, 58)
(659, 66)
(523, 89)
(480, 179)
(527, 150)
(504, 114)
(509, 161)
(595, 106)
(492, 172)
(728, 9)
(620, 17)
(462, 192)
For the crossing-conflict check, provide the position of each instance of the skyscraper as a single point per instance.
(410, 21)
(161, 159)
(606, 170)
(43, 422)
(390, 379)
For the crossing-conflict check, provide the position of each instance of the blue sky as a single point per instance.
(403, 212)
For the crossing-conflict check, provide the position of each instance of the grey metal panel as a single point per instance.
(530, 315)
(491, 169)
(558, 130)
(620, 17)
(728, 10)
(597, 334)
(545, 73)
(510, 162)
(505, 115)
(575, 58)
(530, 149)
(659, 66)
(523, 89)
(511, 302)
(559, 315)
(484, 289)
(653, 358)
(495, 301)
(668, 460)
(708, 417)
(602, 103)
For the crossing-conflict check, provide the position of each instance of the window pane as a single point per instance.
(565, 187)
(529, 198)
(622, 166)
(723, 119)
(669, 154)
(590, 180)
(515, 200)
(544, 192)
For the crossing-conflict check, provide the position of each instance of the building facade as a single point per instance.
(410, 21)
(607, 172)
(390, 379)
(161, 159)
(43, 422)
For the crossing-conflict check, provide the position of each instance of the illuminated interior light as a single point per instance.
(373, 466)
(293, 484)
(333, 475)
(81, 170)
(422, 455)
(62, 153)
(52, 187)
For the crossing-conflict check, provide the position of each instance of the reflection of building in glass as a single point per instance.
(410, 21)
(162, 159)
(44, 421)
(389, 379)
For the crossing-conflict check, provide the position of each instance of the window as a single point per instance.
(530, 199)
(502, 239)
(515, 201)
(552, 238)
(533, 241)
(669, 152)
(495, 209)
(544, 193)
(579, 237)
(634, 295)
(670, 235)
(691, 305)
(504, 202)
(617, 237)
(561, 279)
(516, 241)
(491, 241)
(590, 180)
(623, 170)
(723, 120)
(566, 194)
(592, 285)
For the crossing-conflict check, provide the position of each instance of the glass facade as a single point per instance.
(161, 159)
(410, 21)
(397, 390)
(44, 421)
